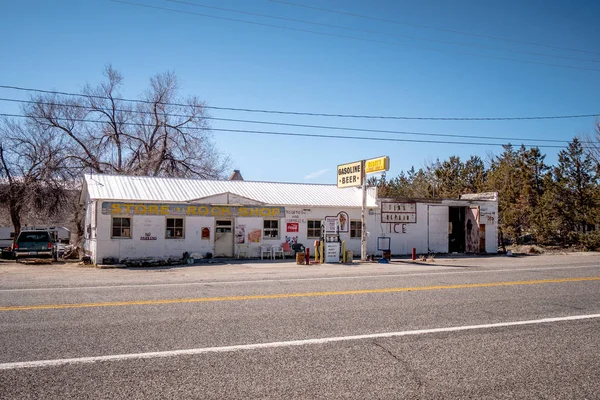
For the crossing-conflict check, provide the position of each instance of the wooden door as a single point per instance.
(482, 238)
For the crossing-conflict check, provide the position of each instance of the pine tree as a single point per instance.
(576, 176)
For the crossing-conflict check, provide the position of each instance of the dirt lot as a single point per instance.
(65, 274)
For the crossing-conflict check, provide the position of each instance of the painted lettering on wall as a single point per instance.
(191, 210)
(397, 228)
(399, 212)
(148, 236)
(399, 217)
(297, 216)
(487, 217)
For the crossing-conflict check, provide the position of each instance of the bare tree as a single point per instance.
(159, 135)
(34, 170)
(592, 143)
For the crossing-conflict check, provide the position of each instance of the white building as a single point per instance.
(133, 217)
(465, 225)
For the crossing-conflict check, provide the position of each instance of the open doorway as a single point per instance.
(456, 237)
(223, 238)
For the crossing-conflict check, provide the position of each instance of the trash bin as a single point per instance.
(300, 258)
(349, 256)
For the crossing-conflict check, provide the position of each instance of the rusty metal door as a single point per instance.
(482, 238)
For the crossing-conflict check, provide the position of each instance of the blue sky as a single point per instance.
(62, 45)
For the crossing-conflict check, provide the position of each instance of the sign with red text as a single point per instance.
(378, 164)
(399, 212)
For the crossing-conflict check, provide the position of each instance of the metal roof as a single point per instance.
(157, 189)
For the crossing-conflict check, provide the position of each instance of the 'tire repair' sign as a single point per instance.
(350, 175)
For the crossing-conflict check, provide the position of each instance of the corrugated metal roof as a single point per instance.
(144, 188)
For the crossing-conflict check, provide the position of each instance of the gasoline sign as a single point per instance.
(350, 175)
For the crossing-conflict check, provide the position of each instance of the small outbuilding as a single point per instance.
(465, 225)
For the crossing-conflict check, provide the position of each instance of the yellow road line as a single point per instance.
(292, 295)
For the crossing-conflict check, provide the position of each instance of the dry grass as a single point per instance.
(528, 249)
(35, 261)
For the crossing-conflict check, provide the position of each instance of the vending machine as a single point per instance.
(331, 238)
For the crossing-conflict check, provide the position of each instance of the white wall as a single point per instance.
(89, 228)
(488, 215)
(430, 232)
(250, 224)
(302, 215)
(135, 247)
(100, 245)
(403, 237)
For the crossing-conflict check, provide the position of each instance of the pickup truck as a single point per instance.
(32, 243)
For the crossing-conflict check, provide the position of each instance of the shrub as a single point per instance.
(590, 240)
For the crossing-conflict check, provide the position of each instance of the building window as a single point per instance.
(313, 229)
(271, 229)
(174, 228)
(121, 227)
(355, 229)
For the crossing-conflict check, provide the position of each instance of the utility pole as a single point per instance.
(363, 225)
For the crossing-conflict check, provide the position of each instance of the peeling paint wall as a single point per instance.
(472, 229)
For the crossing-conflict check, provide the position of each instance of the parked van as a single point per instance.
(7, 237)
(34, 243)
(59, 234)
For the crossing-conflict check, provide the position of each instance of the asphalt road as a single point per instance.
(464, 327)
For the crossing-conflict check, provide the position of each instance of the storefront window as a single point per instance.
(174, 228)
(121, 227)
(271, 229)
(313, 229)
(355, 229)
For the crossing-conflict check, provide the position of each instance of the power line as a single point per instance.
(435, 28)
(295, 125)
(355, 116)
(380, 32)
(303, 135)
(354, 37)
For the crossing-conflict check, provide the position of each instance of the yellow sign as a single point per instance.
(377, 165)
(204, 210)
(350, 175)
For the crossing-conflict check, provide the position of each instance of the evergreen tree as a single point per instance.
(504, 179)
(576, 177)
(531, 169)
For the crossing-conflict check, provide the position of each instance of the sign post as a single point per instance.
(354, 174)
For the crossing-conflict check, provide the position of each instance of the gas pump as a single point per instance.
(331, 238)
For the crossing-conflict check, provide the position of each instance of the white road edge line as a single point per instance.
(259, 346)
(208, 283)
